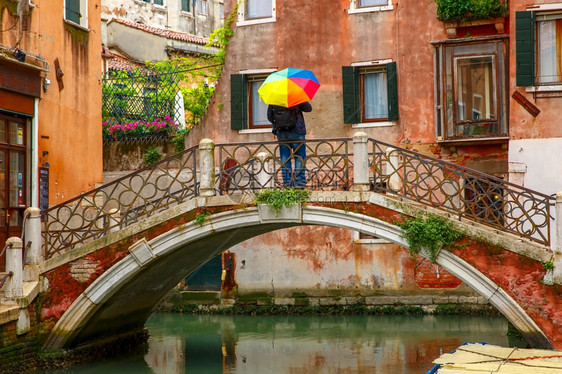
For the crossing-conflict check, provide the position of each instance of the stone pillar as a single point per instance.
(114, 218)
(394, 180)
(32, 233)
(263, 176)
(360, 162)
(207, 167)
(557, 272)
(14, 265)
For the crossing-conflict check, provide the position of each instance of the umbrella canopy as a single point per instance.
(289, 87)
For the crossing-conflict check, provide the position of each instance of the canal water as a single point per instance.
(209, 344)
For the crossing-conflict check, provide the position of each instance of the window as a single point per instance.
(256, 11)
(76, 11)
(202, 7)
(248, 111)
(370, 93)
(362, 6)
(185, 7)
(157, 2)
(538, 48)
(471, 89)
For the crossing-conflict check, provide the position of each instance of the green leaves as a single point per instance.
(464, 10)
(431, 234)
(279, 198)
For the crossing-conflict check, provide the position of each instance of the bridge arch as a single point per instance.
(136, 285)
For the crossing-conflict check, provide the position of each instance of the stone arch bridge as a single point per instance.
(103, 261)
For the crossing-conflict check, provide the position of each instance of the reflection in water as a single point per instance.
(209, 344)
(296, 344)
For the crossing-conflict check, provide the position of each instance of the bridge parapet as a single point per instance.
(339, 164)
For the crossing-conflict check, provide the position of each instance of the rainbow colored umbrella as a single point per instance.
(289, 87)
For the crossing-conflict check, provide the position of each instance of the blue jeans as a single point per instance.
(289, 151)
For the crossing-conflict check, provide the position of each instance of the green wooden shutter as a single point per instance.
(350, 87)
(392, 91)
(238, 105)
(72, 11)
(185, 5)
(159, 2)
(525, 48)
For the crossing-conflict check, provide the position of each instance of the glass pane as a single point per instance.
(550, 51)
(259, 9)
(16, 179)
(2, 179)
(16, 133)
(259, 108)
(376, 102)
(3, 124)
(476, 99)
(363, 3)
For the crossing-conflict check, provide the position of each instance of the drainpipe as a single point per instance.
(360, 162)
(207, 167)
(14, 265)
(35, 154)
(557, 272)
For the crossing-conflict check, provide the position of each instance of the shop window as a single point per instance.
(76, 11)
(370, 93)
(538, 48)
(471, 90)
(248, 111)
(256, 11)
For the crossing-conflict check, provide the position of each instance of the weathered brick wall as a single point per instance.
(19, 353)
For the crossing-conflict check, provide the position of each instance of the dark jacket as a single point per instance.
(300, 125)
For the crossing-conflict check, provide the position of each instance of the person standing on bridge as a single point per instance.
(290, 129)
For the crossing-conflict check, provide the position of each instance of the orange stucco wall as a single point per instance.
(69, 112)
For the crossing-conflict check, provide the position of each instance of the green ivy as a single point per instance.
(470, 9)
(548, 265)
(179, 140)
(279, 198)
(201, 217)
(152, 155)
(431, 234)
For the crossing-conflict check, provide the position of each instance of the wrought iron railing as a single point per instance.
(462, 191)
(120, 203)
(328, 165)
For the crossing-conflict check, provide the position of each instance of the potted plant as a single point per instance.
(462, 13)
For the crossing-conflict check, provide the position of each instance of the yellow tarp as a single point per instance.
(484, 358)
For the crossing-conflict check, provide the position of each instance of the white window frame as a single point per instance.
(363, 125)
(202, 10)
(242, 21)
(83, 12)
(354, 7)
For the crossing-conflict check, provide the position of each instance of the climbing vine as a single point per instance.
(279, 198)
(431, 233)
(470, 9)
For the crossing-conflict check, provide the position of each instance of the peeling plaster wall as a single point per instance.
(168, 16)
(318, 260)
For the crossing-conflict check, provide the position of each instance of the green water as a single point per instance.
(295, 344)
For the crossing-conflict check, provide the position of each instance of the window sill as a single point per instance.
(372, 241)
(474, 141)
(553, 88)
(74, 24)
(373, 124)
(255, 21)
(255, 131)
(381, 8)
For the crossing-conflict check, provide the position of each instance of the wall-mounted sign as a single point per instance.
(43, 188)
